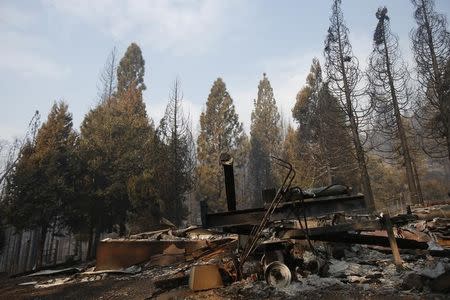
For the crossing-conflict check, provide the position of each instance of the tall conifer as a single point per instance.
(177, 157)
(117, 144)
(265, 140)
(324, 140)
(42, 184)
(389, 90)
(220, 131)
(431, 45)
(344, 76)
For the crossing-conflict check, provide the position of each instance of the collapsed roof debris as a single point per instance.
(302, 243)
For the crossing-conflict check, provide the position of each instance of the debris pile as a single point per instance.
(311, 243)
(316, 243)
(434, 221)
(165, 258)
(362, 272)
(196, 262)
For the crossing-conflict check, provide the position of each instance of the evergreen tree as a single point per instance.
(131, 70)
(431, 46)
(220, 131)
(305, 108)
(11, 152)
(117, 140)
(387, 181)
(95, 152)
(177, 152)
(344, 76)
(265, 140)
(42, 185)
(335, 140)
(389, 90)
(292, 152)
(324, 139)
(117, 147)
(305, 114)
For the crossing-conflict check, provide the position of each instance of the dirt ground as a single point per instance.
(108, 288)
(142, 288)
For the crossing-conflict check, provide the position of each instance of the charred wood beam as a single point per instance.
(335, 229)
(353, 238)
(392, 240)
(350, 233)
(227, 163)
(288, 210)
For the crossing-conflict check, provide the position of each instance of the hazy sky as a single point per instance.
(52, 50)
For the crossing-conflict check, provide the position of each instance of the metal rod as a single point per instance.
(257, 230)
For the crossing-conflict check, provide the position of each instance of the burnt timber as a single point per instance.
(314, 207)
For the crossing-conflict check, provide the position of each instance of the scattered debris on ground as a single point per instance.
(199, 263)
(313, 244)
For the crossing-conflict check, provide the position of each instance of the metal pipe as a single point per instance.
(227, 163)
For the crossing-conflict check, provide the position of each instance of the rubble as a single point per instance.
(301, 271)
(277, 274)
(129, 270)
(205, 277)
(56, 272)
(28, 283)
(160, 248)
(310, 245)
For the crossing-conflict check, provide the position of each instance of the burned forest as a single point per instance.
(232, 191)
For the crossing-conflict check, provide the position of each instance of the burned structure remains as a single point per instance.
(302, 242)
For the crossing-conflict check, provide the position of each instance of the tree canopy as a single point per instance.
(220, 132)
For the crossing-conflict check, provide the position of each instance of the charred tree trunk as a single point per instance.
(17, 251)
(41, 244)
(13, 255)
(418, 185)
(95, 244)
(50, 248)
(431, 50)
(360, 155)
(27, 253)
(401, 131)
(90, 240)
(34, 245)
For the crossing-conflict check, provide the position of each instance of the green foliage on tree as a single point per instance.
(117, 148)
(265, 140)
(220, 131)
(176, 158)
(387, 181)
(96, 152)
(41, 187)
(324, 140)
(131, 70)
(292, 152)
(305, 111)
(116, 143)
